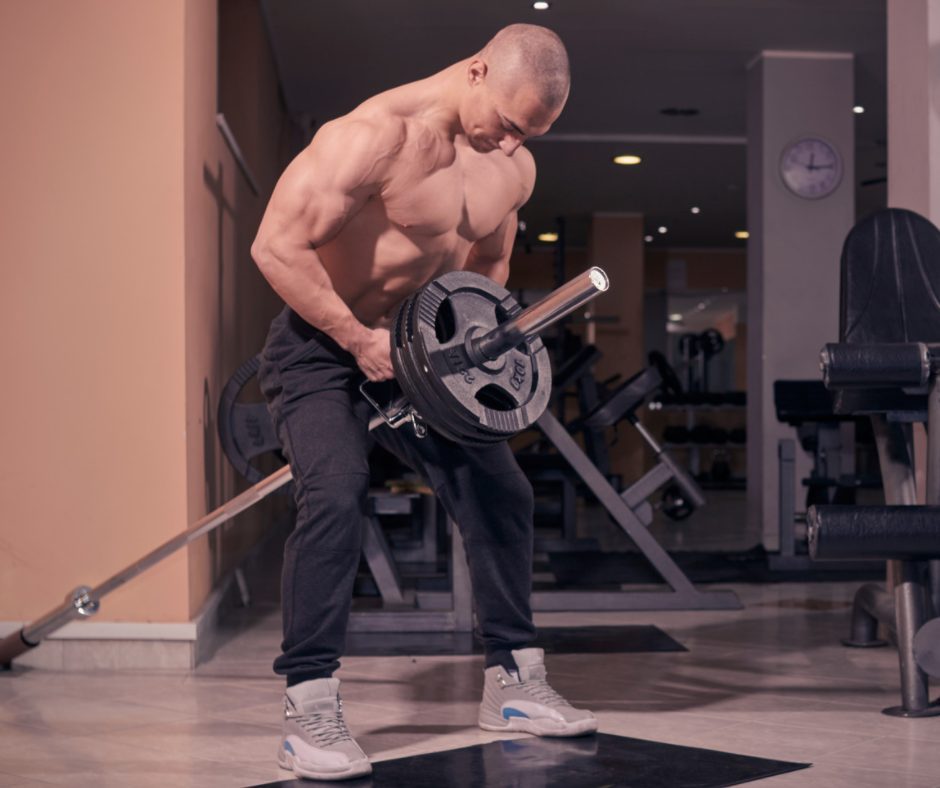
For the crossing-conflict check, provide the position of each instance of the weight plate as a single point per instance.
(246, 431)
(464, 401)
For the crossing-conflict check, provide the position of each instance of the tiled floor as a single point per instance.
(769, 680)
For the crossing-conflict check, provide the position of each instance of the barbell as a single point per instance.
(470, 364)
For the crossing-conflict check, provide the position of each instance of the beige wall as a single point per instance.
(129, 296)
(91, 308)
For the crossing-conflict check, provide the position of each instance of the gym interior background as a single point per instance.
(140, 144)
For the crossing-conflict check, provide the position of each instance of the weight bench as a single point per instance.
(907, 534)
(630, 508)
(885, 368)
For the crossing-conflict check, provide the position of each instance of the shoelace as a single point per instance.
(542, 692)
(325, 726)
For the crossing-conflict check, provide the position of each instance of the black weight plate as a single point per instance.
(465, 402)
(245, 428)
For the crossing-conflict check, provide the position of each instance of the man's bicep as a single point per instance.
(324, 187)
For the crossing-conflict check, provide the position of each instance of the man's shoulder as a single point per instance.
(371, 131)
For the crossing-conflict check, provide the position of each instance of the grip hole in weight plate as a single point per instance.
(445, 323)
(496, 398)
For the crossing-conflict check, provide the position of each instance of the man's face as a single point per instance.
(504, 118)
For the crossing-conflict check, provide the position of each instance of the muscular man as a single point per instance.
(416, 181)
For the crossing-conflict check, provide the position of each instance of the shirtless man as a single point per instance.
(419, 180)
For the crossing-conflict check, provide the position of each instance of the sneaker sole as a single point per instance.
(287, 761)
(544, 727)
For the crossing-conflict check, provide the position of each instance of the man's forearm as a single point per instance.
(303, 283)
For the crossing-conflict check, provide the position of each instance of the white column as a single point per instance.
(914, 129)
(914, 106)
(795, 242)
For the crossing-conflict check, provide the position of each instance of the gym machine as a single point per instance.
(885, 367)
(907, 534)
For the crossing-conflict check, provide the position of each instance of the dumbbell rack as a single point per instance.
(694, 449)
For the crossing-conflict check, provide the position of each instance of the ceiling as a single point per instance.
(630, 59)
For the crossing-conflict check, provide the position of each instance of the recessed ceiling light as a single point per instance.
(685, 112)
(662, 230)
(858, 109)
(695, 209)
(521, 226)
(541, 5)
(742, 234)
(627, 159)
(675, 317)
(648, 238)
(548, 238)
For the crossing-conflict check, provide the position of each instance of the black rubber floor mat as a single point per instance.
(555, 640)
(586, 762)
(596, 569)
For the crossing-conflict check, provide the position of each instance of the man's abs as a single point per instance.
(374, 264)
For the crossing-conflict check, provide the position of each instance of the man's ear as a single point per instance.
(476, 72)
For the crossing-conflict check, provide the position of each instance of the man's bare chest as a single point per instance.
(469, 200)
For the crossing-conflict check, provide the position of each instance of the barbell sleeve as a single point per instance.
(540, 315)
(83, 601)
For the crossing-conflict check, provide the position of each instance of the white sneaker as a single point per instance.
(316, 742)
(524, 701)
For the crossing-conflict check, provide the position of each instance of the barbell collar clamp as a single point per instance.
(398, 412)
(83, 601)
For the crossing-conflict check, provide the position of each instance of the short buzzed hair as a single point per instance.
(534, 54)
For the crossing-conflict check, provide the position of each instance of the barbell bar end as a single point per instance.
(599, 279)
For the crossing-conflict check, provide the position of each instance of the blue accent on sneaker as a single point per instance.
(511, 712)
(288, 747)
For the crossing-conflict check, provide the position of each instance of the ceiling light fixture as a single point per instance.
(858, 109)
(682, 112)
(695, 209)
(648, 238)
(548, 238)
(662, 230)
(627, 159)
(675, 317)
(541, 5)
(742, 234)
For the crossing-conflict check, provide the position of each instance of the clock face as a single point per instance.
(811, 167)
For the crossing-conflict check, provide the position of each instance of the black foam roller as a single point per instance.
(896, 365)
(860, 532)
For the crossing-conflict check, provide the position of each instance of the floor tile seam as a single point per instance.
(715, 722)
(47, 730)
(272, 734)
(928, 772)
(224, 682)
(862, 738)
(893, 772)
(824, 678)
(162, 727)
(156, 705)
(23, 780)
(883, 737)
(722, 724)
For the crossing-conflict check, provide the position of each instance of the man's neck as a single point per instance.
(440, 96)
